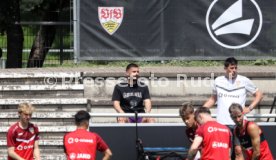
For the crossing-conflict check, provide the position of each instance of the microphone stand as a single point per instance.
(138, 141)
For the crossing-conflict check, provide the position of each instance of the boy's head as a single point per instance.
(186, 112)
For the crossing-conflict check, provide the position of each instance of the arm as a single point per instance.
(258, 96)
(254, 133)
(194, 147)
(147, 103)
(36, 151)
(118, 108)
(107, 154)
(14, 155)
(210, 102)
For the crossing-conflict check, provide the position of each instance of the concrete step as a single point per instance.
(47, 104)
(54, 128)
(38, 91)
(40, 77)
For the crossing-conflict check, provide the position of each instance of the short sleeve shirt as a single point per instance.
(216, 140)
(23, 140)
(131, 96)
(81, 144)
(231, 91)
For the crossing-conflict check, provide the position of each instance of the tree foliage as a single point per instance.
(31, 10)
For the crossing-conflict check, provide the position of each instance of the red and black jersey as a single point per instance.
(83, 145)
(246, 143)
(23, 140)
(216, 141)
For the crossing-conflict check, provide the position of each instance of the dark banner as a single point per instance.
(121, 139)
(176, 29)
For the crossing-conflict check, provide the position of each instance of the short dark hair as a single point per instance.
(132, 65)
(81, 116)
(235, 106)
(202, 110)
(230, 61)
(186, 109)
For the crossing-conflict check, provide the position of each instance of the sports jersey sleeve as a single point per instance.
(101, 145)
(146, 94)
(199, 131)
(10, 139)
(37, 133)
(250, 87)
(116, 96)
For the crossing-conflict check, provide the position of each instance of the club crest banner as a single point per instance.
(176, 29)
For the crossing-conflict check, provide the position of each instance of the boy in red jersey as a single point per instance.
(22, 137)
(214, 138)
(186, 112)
(82, 144)
(250, 135)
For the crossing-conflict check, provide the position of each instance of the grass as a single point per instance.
(179, 63)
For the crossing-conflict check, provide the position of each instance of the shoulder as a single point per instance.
(252, 126)
(142, 85)
(33, 125)
(242, 78)
(13, 127)
(121, 85)
(220, 79)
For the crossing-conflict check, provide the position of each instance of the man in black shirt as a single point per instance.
(132, 96)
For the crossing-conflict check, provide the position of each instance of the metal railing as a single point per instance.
(158, 115)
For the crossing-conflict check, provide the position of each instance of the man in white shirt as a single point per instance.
(232, 88)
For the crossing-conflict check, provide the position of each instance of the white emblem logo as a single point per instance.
(31, 129)
(111, 18)
(72, 156)
(233, 22)
(70, 140)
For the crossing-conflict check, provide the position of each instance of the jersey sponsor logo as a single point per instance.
(215, 129)
(20, 147)
(70, 140)
(77, 140)
(84, 156)
(73, 156)
(228, 95)
(219, 145)
(111, 18)
(132, 94)
(25, 140)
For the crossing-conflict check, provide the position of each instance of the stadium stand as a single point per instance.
(55, 102)
(59, 93)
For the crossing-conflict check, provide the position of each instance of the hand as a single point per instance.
(148, 120)
(122, 120)
(246, 110)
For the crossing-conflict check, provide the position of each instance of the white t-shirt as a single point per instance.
(231, 91)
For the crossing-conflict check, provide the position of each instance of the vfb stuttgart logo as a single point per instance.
(234, 24)
(111, 18)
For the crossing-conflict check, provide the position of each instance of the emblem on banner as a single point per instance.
(111, 18)
(231, 26)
